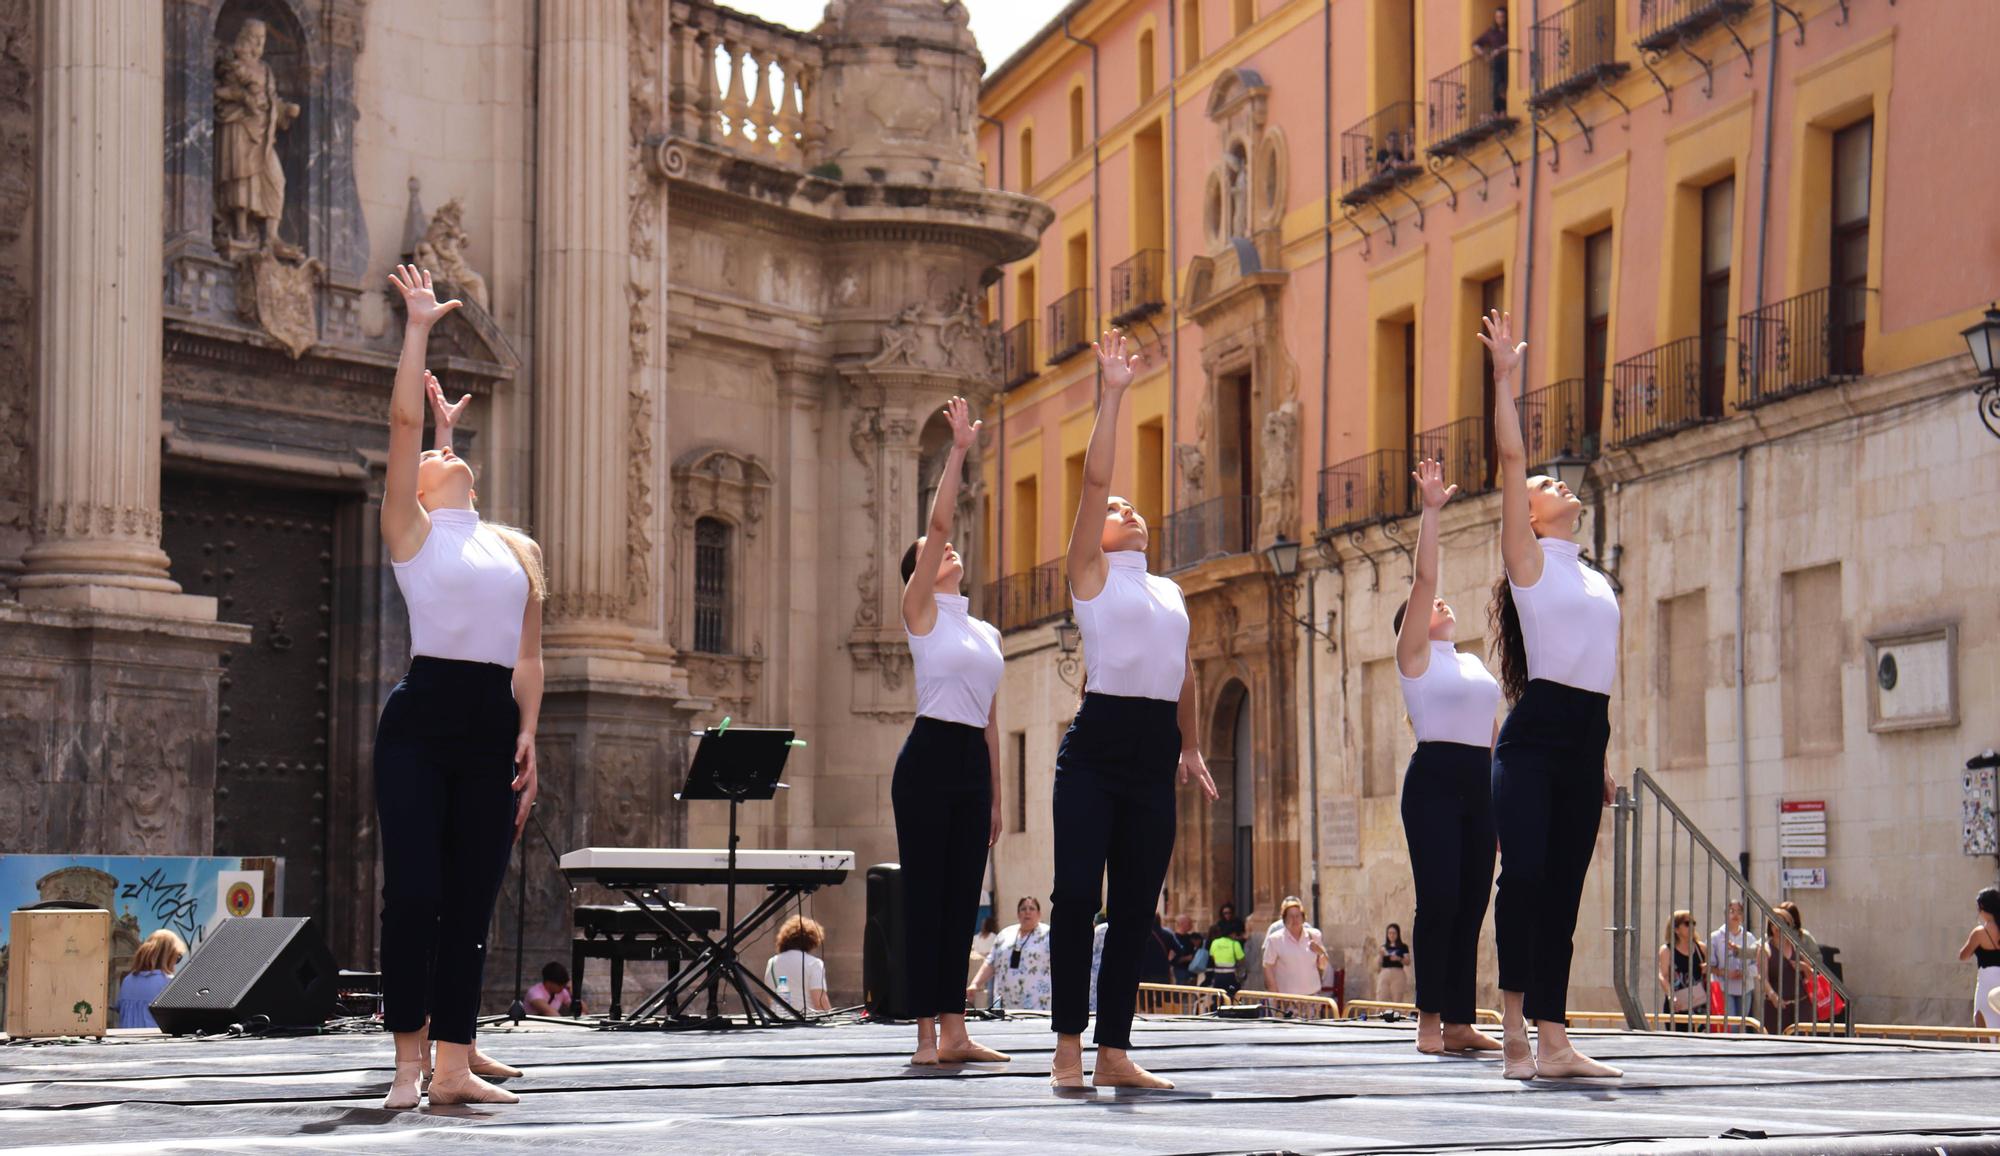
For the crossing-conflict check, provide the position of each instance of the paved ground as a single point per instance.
(839, 1090)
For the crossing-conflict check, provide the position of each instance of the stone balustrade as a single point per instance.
(743, 85)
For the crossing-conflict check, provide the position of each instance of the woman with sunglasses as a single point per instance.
(1681, 965)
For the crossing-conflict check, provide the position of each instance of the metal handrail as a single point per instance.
(1800, 343)
(1664, 390)
(1674, 833)
(1017, 355)
(1571, 50)
(1279, 1000)
(1028, 597)
(1655, 1021)
(1468, 104)
(1460, 447)
(1366, 489)
(1663, 23)
(1380, 152)
(1139, 286)
(1217, 528)
(1069, 325)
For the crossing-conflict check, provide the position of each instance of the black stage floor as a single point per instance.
(847, 1091)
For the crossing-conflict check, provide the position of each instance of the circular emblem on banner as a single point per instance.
(240, 899)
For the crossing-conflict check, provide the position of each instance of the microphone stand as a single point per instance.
(518, 1010)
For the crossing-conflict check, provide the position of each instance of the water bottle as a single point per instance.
(785, 988)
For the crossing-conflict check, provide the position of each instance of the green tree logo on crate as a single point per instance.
(82, 1009)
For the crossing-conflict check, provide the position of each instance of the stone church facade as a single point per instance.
(719, 275)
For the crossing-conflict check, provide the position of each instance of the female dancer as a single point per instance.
(947, 789)
(1983, 947)
(455, 749)
(1555, 626)
(1447, 791)
(1114, 790)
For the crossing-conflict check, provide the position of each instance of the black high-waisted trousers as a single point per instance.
(1448, 822)
(1548, 799)
(444, 773)
(1114, 815)
(943, 795)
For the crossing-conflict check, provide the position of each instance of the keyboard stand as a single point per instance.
(732, 765)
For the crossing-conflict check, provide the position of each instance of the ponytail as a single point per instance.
(528, 556)
(1503, 623)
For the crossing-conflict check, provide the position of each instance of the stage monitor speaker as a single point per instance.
(278, 969)
(886, 987)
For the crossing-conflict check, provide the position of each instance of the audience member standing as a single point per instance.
(1732, 960)
(1392, 978)
(1019, 963)
(1294, 957)
(1983, 947)
(1682, 967)
(982, 946)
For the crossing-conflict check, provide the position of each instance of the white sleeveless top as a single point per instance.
(958, 665)
(1135, 632)
(466, 592)
(1569, 620)
(1454, 700)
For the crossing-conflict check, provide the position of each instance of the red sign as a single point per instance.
(1793, 806)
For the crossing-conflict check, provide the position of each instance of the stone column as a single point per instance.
(581, 324)
(96, 519)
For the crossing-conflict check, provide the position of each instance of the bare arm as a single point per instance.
(444, 414)
(404, 523)
(1184, 717)
(1518, 548)
(1971, 942)
(1413, 651)
(528, 697)
(1660, 970)
(919, 605)
(1085, 559)
(993, 766)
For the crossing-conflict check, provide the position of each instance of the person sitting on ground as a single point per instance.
(553, 996)
(1294, 956)
(797, 973)
(152, 969)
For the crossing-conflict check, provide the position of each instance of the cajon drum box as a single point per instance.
(57, 963)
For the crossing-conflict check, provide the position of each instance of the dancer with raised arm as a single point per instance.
(946, 790)
(1555, 626)
(455, 748)
(1114, 788)
(1447, 791)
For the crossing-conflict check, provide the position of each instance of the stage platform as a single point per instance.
(1245, 1086)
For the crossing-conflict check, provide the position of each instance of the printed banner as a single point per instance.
(186, 894)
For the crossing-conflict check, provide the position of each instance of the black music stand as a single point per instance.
(733, 765)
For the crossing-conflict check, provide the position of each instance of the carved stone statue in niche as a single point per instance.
(1280, 505)
(249, 115)
(1239, 193)
(442, 251)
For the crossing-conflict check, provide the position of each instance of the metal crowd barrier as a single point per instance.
(1898, 1032)
(1479, 1015)
(1173, 999)
(1303, 1007)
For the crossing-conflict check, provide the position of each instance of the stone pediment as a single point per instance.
(1215, 284)
(1234, 90)
(470, 344)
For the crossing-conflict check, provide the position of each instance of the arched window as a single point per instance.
(711, 586)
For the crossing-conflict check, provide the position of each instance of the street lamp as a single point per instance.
(1569, 468)
(1284, 556)
(1984, 340)
(1069, 636)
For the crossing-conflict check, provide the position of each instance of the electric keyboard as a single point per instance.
(638, 867)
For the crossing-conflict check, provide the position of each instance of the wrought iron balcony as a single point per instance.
(1029, 598)
(1665, 23)
(1460, 447)
(1573, 50)
(1662, 391)
(1468, 105)
(1017, 355)
(1139, 286)
(1803, 343)
(1366, 489)
(1217, 528)
(1069, 325)
(1556, 421)
(1379, 153)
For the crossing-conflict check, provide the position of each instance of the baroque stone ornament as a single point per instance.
(1279, 505)
(442, 251)
(278, 296)
(947, 337)
(249, 115)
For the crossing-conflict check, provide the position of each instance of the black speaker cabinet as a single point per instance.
(276, 968)
(887, 989)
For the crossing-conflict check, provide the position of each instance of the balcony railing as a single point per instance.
(1572, 50)
(1379, 152)
(1556, 421)
(741, 84)
(1069, 325)
(1365, 489)
(1665, 23)
(1139, 286)
(1468, 105)
(1661, 391)
(1460, 447)
(1017, 355)
(1217, 528)
(1029, 598)
(1803, 343)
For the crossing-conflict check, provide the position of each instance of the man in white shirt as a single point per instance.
(1294, 957)
(1732, 959)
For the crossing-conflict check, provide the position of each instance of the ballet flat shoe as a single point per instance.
(405, 1096)
(1518, 1068)
(469, 1090)
(972, 1053)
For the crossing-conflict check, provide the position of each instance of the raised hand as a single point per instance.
(964, 430)
(446, 413)
(1499, 340)
(419, 299)
(1429, 476)
(1119, 366)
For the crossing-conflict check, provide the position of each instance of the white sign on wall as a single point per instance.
(1804, 878)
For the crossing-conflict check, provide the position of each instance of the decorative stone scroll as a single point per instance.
(945, 338)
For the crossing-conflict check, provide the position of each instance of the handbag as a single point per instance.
(1200, 962)
(1825, 1000)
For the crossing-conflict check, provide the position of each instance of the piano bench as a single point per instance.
(623, 932)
